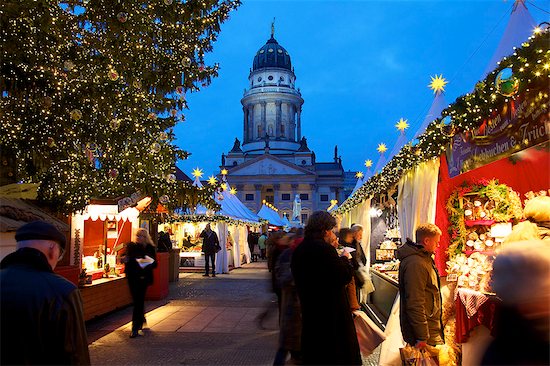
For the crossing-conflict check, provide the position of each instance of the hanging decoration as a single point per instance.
(506, 82)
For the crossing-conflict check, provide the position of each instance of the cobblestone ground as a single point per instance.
(227, 320)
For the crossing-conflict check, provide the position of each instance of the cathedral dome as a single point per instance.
(271, 55)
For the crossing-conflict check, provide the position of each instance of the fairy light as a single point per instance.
(531, 65)
(64, 88)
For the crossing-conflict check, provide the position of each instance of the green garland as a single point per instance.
(531, 66)
(507, 208)
(212, 218)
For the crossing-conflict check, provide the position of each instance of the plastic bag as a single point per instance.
(412, 356)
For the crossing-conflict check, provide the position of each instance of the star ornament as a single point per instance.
(212, 180)
(381, 148)
(368, 163)
(359, 175)
(224, 186)
(438, 83)
(224, 172)
(402, 125)
(233, 190)
(197, 173)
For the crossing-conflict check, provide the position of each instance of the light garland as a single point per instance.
(270, 206)
(466, 113)
(213, 218)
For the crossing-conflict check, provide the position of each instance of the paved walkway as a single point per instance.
(227, 320)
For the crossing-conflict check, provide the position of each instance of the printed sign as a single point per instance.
(521, 123)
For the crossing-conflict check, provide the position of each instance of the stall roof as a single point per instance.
(231, 206)
(15, 212)
(520, 26)
(270, 215)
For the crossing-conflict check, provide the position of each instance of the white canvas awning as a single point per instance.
(271, 216)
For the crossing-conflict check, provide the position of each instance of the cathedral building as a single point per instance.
(274, 162)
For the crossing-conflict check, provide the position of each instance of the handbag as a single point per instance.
(412, 356)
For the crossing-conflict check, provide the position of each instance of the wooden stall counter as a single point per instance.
(105, 295)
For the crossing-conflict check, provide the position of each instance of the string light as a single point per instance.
(467, 114)
(84, 118)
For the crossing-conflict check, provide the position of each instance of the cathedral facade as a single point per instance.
(274, 162)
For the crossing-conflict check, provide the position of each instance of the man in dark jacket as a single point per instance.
(42, 317)
(210, 243)
(419, 289)
(321, 276)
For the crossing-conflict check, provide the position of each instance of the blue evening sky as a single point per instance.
(360, 65)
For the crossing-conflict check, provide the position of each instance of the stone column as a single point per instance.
(245, 125)
(313, 197)
(240, 193)
(250, 123)
(292, 127)
(264, 119)
(258, 195)
(276, 189)
(299, 123)
(278, 132)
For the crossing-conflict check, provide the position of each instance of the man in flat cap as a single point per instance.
(41, 312)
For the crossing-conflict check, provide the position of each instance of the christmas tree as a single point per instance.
(91, 90)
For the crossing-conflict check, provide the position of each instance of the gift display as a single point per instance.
(481, 216)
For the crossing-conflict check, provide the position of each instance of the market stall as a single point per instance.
(231, 223)
(98, 233)
(469, 172)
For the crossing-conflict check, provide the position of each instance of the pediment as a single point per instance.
(268, 165)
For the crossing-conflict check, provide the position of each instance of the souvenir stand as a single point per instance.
(97, 234)
(467, 173)
(230, 223)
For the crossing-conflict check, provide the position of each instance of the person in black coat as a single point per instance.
(42, 321)
(210, 245)
(139, 276)
(321, 276)
(252, 240)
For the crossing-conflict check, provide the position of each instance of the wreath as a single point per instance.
(506, 206)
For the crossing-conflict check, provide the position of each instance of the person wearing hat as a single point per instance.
(42, 319)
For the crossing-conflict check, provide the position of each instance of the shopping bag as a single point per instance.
(412, 356)
(369, 335)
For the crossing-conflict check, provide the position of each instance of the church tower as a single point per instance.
(274, 163)
(272, 105)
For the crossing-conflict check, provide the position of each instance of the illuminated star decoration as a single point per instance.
(224, 172)
(197, 173)
(368, 163)
(381, 148)
(224, 186)
(233, 190)
(359, 175)
(438, 83)
(402, 125)
(212, 180)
